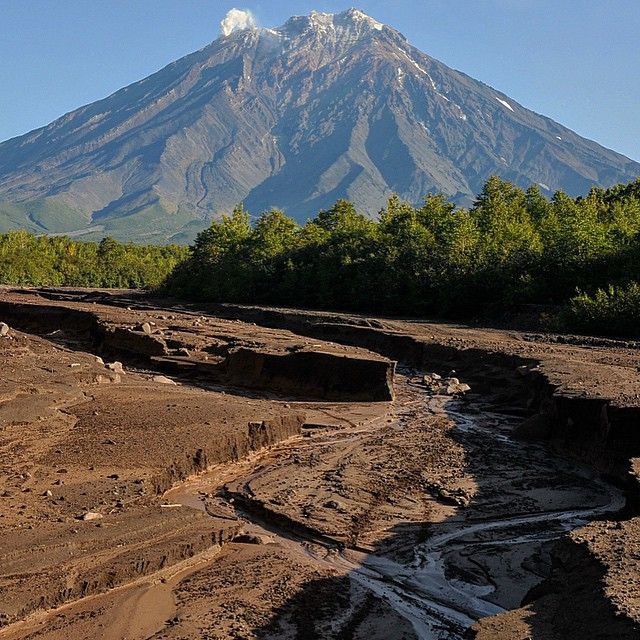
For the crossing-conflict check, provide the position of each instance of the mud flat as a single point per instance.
(266, 473)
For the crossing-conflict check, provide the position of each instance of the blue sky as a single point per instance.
(577, 61)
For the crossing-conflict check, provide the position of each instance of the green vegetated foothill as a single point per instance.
(511, 247)
(29, 260)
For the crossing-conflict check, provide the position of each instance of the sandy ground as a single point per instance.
(159, 501)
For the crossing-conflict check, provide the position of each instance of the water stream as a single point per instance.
(430, 591)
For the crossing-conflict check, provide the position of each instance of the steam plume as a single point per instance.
(236, 20)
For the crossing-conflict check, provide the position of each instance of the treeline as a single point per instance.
(29, 260)
(511, 247)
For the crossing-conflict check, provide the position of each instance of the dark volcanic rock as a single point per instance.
(326, 106)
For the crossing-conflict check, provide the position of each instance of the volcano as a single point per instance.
(326, 106)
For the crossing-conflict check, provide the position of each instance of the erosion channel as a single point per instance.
(226, 501)
(442, 542)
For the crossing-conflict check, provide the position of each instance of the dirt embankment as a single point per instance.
(230, 353)
(378, 479)
(92, 435)
(584, 397)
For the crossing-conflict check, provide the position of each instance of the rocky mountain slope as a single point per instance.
(326, 106)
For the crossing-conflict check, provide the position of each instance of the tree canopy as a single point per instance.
(512, 246)
(29, 260)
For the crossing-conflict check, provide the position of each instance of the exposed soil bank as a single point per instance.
(584, 404)
(481, 502)
(234, 355)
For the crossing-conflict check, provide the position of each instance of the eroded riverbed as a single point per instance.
(362, 504)
(438, 567)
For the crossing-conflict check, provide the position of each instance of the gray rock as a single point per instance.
(417, 127)
(91, 515)
(116, 367)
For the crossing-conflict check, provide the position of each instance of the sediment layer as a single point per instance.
(579, 397)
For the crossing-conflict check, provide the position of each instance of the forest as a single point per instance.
(513, 247)
(580, 257)
(28, 260)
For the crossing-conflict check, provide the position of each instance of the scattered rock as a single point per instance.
(116, 367)
(448, 386)
(47, 494)
(90, 515)
(114, 378)
(454, 497)
(430, 378)
(252, 538)
(333, 504)
(146, 328)
(454, 387)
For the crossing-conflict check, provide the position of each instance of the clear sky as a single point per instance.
(577, 61)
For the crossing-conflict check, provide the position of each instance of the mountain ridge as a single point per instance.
(323, 107)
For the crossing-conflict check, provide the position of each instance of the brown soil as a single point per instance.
(247, 474)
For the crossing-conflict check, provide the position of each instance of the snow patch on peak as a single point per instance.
(351, 22)
(324, 19)
(361, 16)
(504, 103)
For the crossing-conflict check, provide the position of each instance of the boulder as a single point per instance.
(4, 329)
(252, 538)
(431, 378)
(115, 367)
(455, 388)
(112, 378)
(91, 515)
(163, 380)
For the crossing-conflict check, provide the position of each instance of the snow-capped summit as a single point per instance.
(325, 106)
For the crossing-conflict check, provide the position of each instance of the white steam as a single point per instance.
(237, 20)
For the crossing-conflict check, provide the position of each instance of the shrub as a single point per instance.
(614, 311)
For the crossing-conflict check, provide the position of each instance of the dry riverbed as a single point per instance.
(198, 493)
